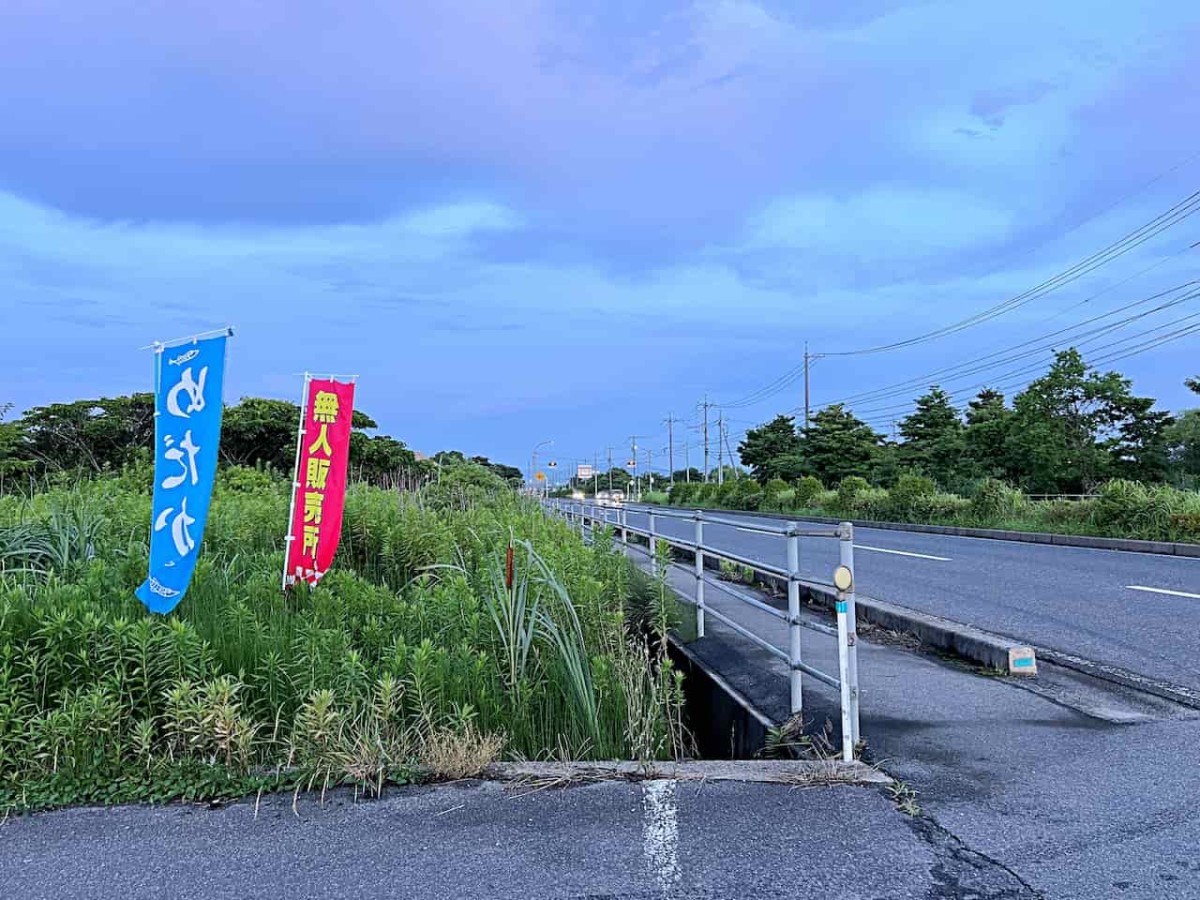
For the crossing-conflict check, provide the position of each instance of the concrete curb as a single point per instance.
(966, 641)
(767, 771)
(1161, 548)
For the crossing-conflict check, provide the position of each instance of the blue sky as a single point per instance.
(564, 220)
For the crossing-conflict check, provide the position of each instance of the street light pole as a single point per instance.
(533, 463)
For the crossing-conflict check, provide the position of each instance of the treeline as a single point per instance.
(1068, 432)
(111, 433)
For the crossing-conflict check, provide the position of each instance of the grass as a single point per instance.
(413, 659)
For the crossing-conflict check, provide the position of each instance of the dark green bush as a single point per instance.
(807, 489)
(850, 487)
(905, 499)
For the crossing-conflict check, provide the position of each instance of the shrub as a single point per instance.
(683, 493)
(869, 503)
(775, 487)
(807, 490)
(826, 500)
(781, 502)
(849, 487)
(905, 499)
(995, 500)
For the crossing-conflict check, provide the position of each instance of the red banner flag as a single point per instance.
(319, 487)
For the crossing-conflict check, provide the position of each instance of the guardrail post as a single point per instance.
(582, 520)
(624, 527)
(793, 591)
(843, 630)
(650, 538)
(699, 574)
(846, 554)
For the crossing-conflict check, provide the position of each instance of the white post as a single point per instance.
(283, 584)
(699, 574)
(846, 555)
(793, 599)
(844, 678)
(624, 526)
(652, 542)
(582, 519)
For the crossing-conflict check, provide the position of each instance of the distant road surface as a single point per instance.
(1138, 611)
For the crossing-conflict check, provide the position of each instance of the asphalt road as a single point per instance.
(1137, 611)
(1080, 788)
(614, 840)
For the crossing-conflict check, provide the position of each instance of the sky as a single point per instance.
(531, 221)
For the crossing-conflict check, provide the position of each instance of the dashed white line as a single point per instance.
(902, 553)
(1154, 590)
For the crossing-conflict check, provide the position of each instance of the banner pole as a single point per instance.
(287, 541)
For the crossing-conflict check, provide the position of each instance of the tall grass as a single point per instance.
(415, 654)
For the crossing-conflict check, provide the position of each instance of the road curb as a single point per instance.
(764, 771)
(990, 650)
(1160, 548)
(973, 644)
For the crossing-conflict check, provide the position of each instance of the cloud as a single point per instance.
(882, 223)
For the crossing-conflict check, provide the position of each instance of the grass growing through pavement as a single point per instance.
(413, 658)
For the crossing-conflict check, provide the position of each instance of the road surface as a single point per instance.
(1136, 611)
(648, 841)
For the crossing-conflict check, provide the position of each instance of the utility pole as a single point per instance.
(706, 405)
(610, 450)
(728, 449)
(633, 462)
(687, 462)
(649, 468)
(806, 409)
(671, 447)
(720, 449)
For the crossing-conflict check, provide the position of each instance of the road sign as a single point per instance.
(584, 471)
(540, 476)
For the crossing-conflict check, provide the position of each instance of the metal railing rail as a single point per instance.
(587, 515)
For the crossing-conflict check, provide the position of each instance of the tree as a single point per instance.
(684, 476)
(837, 444)
(1182, 439)
(986, 435)
(772, 450)
(258, 431)
(933, 437)
(1193, 385)
(511, 474)
(1074, 427)
(1140, 449)
(88, 434)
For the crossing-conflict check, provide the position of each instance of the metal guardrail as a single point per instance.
(585, 515)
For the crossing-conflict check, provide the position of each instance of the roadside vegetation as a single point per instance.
(459, 625)
(1119, 508)
(1075, 452)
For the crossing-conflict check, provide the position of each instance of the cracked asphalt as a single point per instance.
(656, 839)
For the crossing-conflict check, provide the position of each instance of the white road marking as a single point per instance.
(1154, 590)
(901, 553)
(660, 832)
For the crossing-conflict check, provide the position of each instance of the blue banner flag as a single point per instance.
(187, 431)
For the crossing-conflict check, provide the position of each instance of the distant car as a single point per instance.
(610, 498)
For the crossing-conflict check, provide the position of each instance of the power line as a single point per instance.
(1008, 354)
(1016, 378)
(1176, 214)
(1156, 226)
